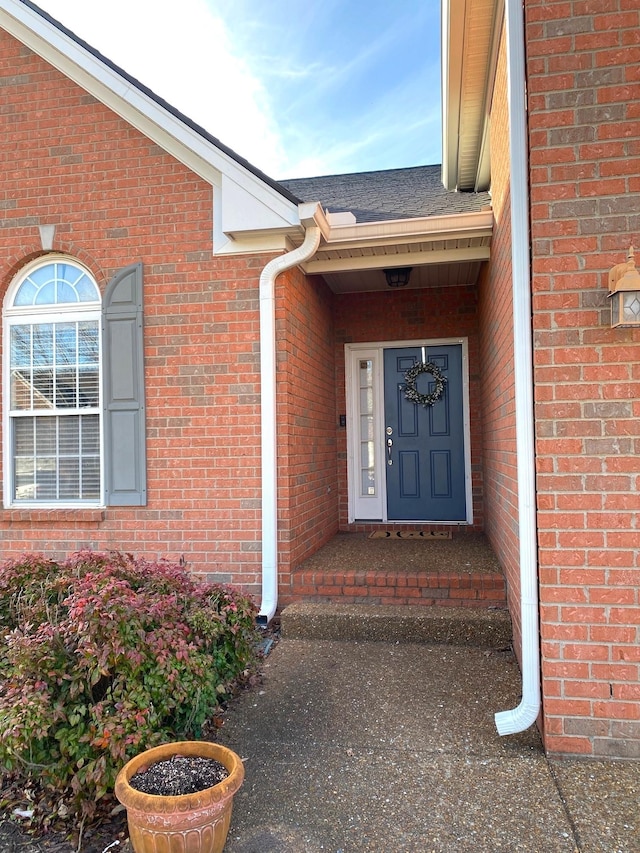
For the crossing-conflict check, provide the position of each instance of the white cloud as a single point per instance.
(185, 54)
(298, 91)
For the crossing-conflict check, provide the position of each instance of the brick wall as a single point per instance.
(411, 315)
(583, 69)
(116, 198)
(496, 357)
(308, 493)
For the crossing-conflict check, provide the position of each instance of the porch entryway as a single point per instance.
(408, 432)
(353, 568)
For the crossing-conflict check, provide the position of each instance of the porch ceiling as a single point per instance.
(443, 251)
(437, 275)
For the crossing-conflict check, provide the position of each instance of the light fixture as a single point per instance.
(398, 277)
(624, 286)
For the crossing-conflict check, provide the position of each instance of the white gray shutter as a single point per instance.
(124, 410)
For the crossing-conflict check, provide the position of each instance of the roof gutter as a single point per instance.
(520, 718)
(313, 221)
(450, 226)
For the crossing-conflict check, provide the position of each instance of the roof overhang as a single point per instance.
(442, 250)
(252, 213)
(471, 31)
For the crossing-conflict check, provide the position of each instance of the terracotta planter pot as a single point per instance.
(190, 823)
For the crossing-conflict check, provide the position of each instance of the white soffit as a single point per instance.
(264, 208)
(470, 38)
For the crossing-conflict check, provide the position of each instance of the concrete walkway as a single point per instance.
(391, 747)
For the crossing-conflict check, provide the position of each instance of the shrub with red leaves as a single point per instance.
(106, 655)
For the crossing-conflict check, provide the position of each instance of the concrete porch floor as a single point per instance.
(352, 568)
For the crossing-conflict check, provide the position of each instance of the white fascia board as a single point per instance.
(426, 228)
(149, 117)
(459, 17)
(483, 173)
(453, 17)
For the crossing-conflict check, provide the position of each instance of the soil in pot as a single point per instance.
(180, 774)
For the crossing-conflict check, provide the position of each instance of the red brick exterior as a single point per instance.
(308, 476)
(583, 70)
(116, 198)
(496, 359)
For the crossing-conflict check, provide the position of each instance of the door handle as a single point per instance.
(389, 446)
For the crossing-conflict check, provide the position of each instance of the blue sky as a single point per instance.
(299, 89)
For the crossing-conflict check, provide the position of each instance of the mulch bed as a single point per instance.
(14, 838)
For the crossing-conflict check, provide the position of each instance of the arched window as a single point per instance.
(73, 388)
(52, 327)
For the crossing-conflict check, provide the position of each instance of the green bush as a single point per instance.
(104, 656)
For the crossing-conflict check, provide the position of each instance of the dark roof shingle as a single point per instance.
(390, 194)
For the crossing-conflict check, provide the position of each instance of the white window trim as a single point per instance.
(372, 510)
(56, 314)
(364, 507)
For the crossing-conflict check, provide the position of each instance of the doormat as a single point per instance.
(410, 534)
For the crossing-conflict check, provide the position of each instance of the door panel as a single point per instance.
(409, 471)
(425, 465)
(441, 473)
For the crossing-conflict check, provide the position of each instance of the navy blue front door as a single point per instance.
(425, 462)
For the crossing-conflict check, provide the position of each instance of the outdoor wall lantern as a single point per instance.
(398, 277)
(624, 286)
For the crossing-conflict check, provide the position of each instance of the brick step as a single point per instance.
(394, 586)
(454, 626)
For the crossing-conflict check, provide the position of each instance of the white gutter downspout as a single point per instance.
(309, 214)
(520, 718)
